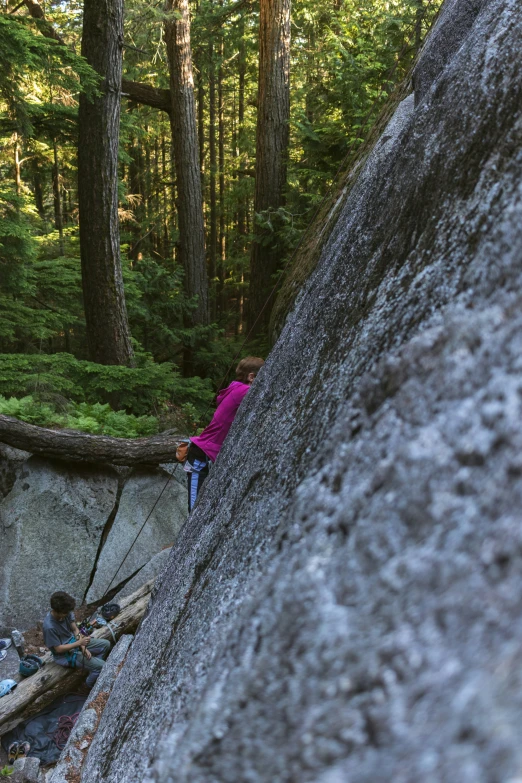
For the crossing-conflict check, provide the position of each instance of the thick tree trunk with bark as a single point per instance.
(71, 445)
(273, 115)
(58, 212)
(108, 332)
(212, 241)
(36, 692)
(186, 156)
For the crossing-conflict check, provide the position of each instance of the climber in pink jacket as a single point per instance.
(204, 448)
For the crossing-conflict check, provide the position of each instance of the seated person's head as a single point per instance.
(248, 368)
(62, 603)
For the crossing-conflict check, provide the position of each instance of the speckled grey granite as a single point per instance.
(73, 755)
(51, 525)
(149, 571)
(137, 534)
(345, 602)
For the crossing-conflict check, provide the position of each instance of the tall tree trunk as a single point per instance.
(273, 114)
(17, 166)
(38, 190)
(419, 16)
(164, 173)
(221, 161)
(108, 334)
(58, 213)
(212, 242)
(186, 157)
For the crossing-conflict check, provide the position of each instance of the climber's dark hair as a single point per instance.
(62, 602)
(247, 365)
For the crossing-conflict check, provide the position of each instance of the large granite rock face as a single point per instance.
(68, 527)
(345, 602)
(126, 549)
(52, 521)
(150, 570)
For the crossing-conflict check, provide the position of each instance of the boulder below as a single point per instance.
(145, 491)
(52, 522)
(149, 571)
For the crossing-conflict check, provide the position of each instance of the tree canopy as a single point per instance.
(345, 59)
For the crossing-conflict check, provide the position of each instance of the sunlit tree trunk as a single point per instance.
(221, 163)
(273, 114)
(108, 333)
(186, 157)
(58, 213)
(212, 240)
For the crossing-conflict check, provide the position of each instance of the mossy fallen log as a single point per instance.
(36, 692)
(75, 446)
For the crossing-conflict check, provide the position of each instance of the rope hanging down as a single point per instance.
(342, 165)
(139, 531)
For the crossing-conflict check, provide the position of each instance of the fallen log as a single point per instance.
(76, 446)
(156, 97)
(35, 693)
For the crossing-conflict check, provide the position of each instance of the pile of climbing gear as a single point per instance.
(4, 644)
(30, 664)
(7, 686)
(86, 628)
(17, 750)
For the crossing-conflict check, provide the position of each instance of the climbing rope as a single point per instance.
(141, 528)
(63, 730)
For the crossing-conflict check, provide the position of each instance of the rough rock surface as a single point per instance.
(10, 666)
(51, 523)
(149, 571)
(141, 492)
(26, 770)
(11, 464)
(345, 602)
(73, 755)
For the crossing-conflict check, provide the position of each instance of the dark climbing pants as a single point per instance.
(200, 465)
(99, 649)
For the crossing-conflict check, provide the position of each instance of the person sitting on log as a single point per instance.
(204, 448)
(68, 647)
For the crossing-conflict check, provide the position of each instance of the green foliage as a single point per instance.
(94, 418)
(23, 54)
(61, 377)
(346, 58)
(6, 771)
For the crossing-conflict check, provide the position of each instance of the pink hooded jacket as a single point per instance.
(228, 401)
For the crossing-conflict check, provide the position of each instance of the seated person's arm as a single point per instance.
(82, 641)
(75, 630)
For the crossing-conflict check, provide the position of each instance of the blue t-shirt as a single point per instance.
(56, 632)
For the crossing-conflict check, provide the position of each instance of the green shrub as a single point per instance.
(95, 419)
(60, 378)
